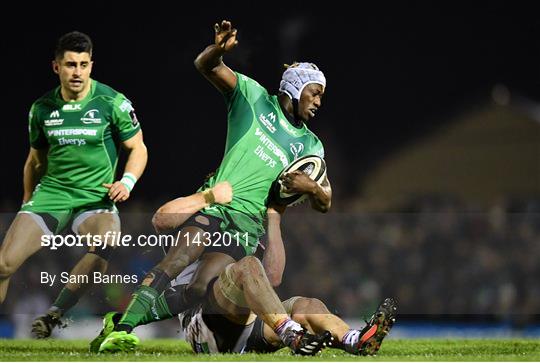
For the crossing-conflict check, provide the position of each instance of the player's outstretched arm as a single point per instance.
(274, 254)
(174, 213)
(34, 168)
(120, 190)
(210, 61)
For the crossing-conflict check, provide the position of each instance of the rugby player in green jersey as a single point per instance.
(76, 131)
(265, 134)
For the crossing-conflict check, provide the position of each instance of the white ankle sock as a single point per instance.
(286, 325)
(351, 337)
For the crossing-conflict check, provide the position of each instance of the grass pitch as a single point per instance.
(178, 350)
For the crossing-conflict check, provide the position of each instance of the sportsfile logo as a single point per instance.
(90, 117)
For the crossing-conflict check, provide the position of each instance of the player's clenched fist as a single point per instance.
(223, 192)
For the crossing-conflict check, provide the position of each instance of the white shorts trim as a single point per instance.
(199, 336)
(40, 222)
(185, 276)
(203, 340)
(89, 213)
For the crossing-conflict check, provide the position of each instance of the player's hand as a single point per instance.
(276, 209)
(298, 182)
(223, 192)
(225, 37)
(118, 192)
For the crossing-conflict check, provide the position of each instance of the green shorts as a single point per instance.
(58, 206)
(238, 228)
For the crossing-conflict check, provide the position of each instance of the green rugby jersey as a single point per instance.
(83, 137)
(261, 142)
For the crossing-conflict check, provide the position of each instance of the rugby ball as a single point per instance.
(314, 166)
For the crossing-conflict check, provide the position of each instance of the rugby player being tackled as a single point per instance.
(265, 133)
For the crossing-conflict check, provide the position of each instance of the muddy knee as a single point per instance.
(304, 306)
(250, 266)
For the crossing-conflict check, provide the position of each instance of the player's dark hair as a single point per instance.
(73, 42)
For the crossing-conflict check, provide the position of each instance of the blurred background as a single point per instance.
(431, 126)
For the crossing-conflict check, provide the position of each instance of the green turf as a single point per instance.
(176, 350)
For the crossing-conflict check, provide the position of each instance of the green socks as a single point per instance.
(159, 311)
(141, 304)
(65, 301)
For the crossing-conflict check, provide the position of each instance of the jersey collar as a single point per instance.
(82, 102)
(297, 124)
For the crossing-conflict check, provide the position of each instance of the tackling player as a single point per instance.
(76, 131)
(240, 292)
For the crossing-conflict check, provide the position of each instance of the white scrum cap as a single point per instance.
(298, 76)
